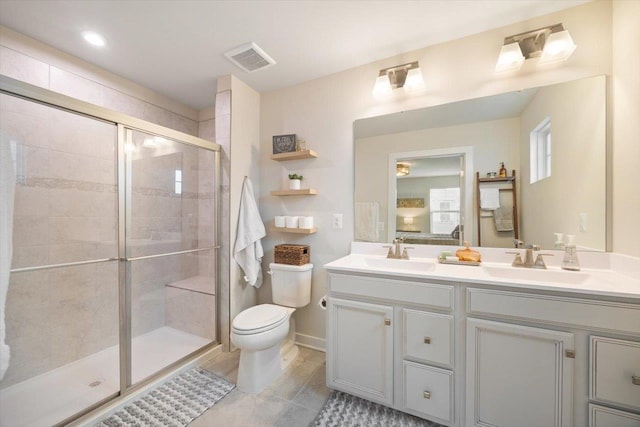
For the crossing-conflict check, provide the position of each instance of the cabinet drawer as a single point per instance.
(615, 372)
(428, 391)
(601, 416)
(427, 294)
(575, 312)
(428, 337)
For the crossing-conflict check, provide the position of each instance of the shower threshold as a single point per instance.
(49, 398)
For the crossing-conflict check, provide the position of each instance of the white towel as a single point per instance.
(248, 250)
(366, 221)
(489, 199)
(7, 191)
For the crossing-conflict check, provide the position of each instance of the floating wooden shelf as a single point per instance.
(497, 179)
(295, 230)
(295, 155)
(301, 192)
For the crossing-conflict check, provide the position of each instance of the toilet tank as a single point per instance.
(291, 284)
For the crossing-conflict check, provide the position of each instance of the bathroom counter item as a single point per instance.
(467, 254)
(454, 262)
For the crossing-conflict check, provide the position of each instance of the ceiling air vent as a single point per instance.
(250, 57)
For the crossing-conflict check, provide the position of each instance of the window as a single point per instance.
(540, 149)
(444, 206)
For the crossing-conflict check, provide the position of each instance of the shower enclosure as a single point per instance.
(109, 238)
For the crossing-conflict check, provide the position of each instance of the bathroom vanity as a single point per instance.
(487, 345)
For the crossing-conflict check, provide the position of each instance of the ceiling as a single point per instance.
(176, 47)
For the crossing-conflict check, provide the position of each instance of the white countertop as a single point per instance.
(605, 274)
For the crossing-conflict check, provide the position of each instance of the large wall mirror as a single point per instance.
(416, 171)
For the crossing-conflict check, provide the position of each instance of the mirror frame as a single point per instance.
(466, 194)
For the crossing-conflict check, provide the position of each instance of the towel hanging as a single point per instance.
(489, 199)
(248, 250)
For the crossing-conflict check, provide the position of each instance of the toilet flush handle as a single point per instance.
(269, 272)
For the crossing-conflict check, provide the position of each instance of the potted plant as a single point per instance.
(294, 181)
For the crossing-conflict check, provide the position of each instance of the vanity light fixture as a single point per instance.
(402, 169)
(408, 76)
(550, 44)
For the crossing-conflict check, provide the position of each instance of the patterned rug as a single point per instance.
(175, 403)
(345, 410)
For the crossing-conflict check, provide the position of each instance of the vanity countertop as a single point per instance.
(612, 275)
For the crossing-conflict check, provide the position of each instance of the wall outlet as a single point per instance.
(337, 221)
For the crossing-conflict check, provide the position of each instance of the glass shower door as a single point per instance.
(61, 305)
(169, 229)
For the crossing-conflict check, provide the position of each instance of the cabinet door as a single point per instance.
(360, 349)
(518, 376)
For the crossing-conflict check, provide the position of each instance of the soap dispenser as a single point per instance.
(559, 243)
(570, 261)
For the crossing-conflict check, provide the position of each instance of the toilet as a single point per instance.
(265, 333)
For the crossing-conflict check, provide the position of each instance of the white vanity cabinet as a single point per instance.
(478, 352)
(518, 376)
(614, 379)
(393, 342)
(361, 349)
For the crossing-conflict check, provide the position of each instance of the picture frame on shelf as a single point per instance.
(284, 143)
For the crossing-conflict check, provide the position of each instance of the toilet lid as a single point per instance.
(261, 316)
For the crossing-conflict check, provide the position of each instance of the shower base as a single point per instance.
(55, 395)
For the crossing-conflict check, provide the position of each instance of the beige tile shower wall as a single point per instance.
(28, 60)
(54, 317)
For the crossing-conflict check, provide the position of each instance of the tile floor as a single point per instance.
(292, 400)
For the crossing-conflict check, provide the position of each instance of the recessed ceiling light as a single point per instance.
(93, 38)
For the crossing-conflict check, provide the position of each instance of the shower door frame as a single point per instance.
(123, 122)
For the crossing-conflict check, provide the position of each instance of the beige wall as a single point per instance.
(244, 147)
(626, 127)
(577, 182)
(323, 111)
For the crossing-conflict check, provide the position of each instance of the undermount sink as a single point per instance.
(409, 265)
(555, 276)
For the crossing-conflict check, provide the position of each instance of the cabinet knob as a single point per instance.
(570, 354)
(387, 322)
(426, 394)
(635, 379)
(427, 340)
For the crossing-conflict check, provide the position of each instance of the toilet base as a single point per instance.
(260, 368)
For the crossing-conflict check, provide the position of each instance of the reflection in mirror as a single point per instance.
(554, 137)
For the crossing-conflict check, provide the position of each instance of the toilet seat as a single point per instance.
(259, 318)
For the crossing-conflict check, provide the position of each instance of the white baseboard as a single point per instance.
(311, 342)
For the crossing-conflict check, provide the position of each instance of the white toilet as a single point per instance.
(265, 333)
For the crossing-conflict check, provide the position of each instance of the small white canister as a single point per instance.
(305, 222)
(280, 222)
(291, 221)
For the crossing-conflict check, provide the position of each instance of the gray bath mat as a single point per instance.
(345, 410)
(175, 403)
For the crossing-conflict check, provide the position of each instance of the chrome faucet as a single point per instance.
(528, 256)
(396, 251)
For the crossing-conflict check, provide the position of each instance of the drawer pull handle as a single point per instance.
(570, 354)
(635, 379)
(427, 340)
(387, 322)
(426, 395)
